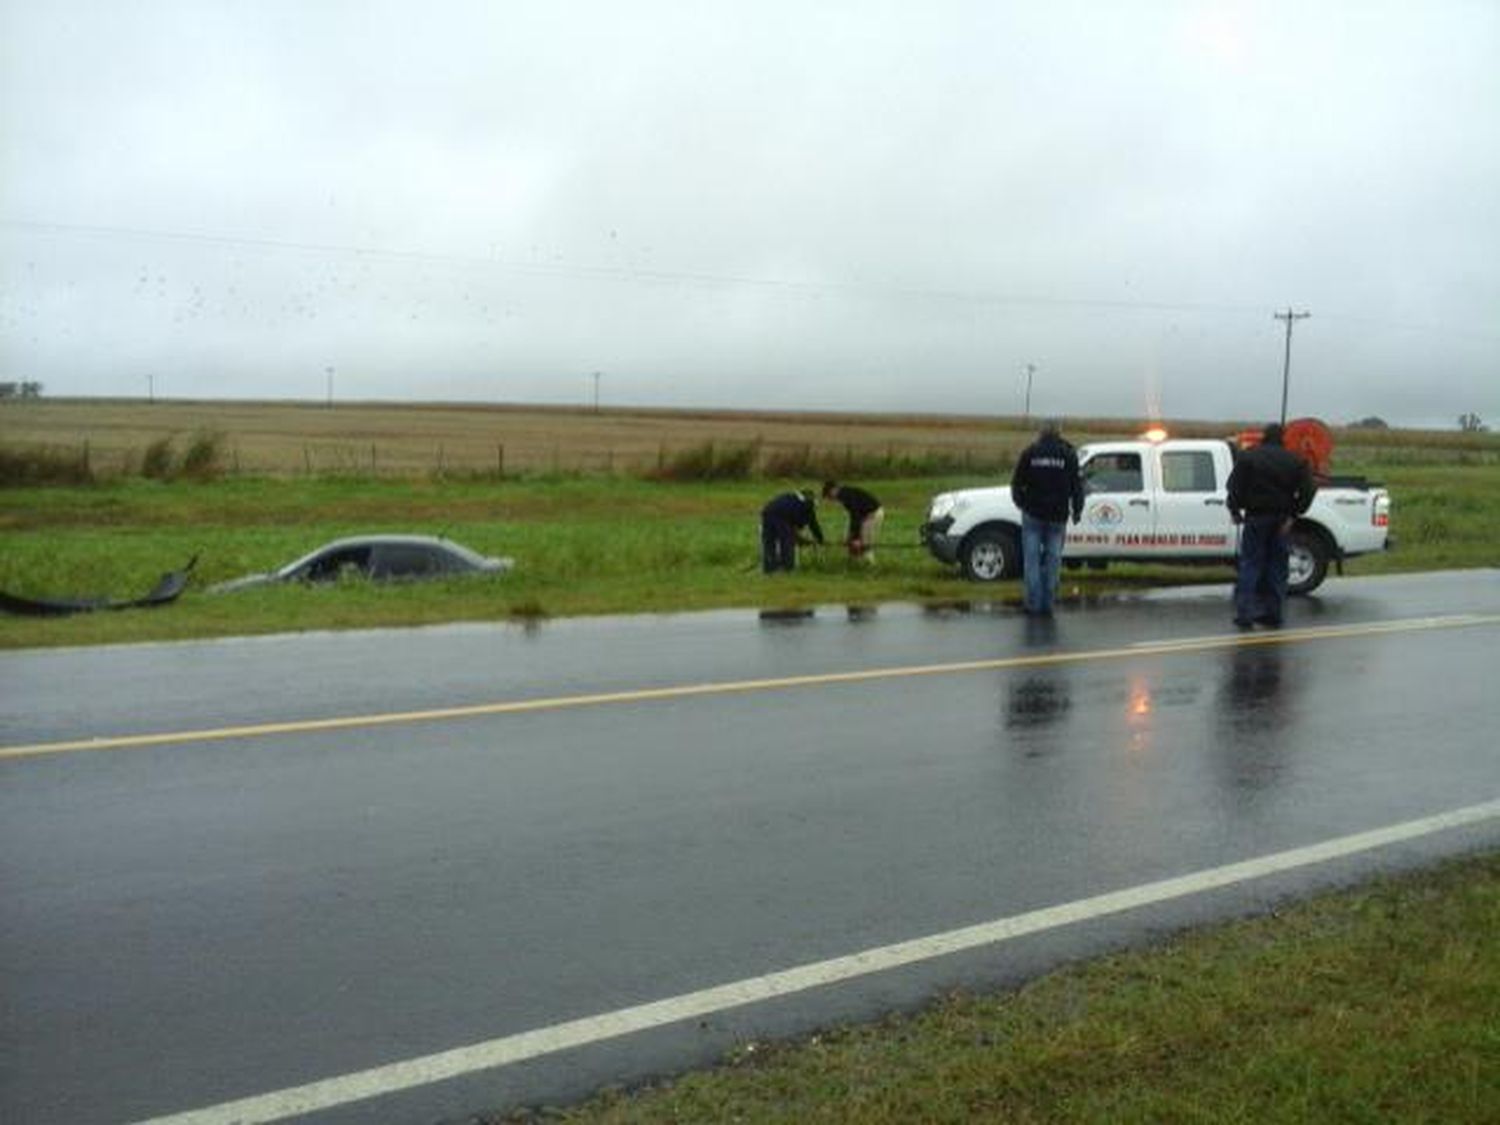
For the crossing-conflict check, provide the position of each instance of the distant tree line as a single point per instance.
(20, 390)
(1469, 423)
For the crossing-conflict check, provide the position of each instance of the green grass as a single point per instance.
(1375, 1005)
(582, 545)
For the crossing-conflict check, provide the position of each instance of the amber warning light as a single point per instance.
(1155, 433)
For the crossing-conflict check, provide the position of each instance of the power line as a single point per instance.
(624, 273)
(640, 274)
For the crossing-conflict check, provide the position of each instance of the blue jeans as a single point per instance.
(778, 546)
(1260, 585)
(1041, 560)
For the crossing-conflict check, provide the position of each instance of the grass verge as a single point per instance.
(1373, 1005)
(583, 545)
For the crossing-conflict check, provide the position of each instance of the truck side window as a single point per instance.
(1191, 471)
(1113, 472)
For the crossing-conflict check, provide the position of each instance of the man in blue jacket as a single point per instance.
(781, 521)
(1046, 487)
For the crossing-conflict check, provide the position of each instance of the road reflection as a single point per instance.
(1037, 699)
(1254, 711)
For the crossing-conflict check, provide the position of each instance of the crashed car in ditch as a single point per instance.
(380, 558)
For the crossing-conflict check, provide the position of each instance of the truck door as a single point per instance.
(1118, 517)
(1192, 519)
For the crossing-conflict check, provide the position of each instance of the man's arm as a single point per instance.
(1232, 489)
(1019, 475)
(1075, 487)
(1307, 488)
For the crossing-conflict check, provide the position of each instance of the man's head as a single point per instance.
(830, 489)
(1272, 434)
(1050, 427)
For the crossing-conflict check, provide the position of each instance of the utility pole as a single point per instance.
(596, 390)
(1286, 368)
(329, 372)
(1030, 371)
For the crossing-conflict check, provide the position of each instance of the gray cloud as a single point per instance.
(864, 206)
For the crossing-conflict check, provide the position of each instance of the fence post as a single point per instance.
(372, 458)
(499, 459)
(307, 459)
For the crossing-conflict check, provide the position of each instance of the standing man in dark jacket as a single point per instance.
(1269, 487)
(865, 517)
(1046, 487)
(780, 522)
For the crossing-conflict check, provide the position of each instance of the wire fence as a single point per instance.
(205, 457)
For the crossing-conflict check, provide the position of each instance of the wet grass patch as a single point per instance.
(1376, 1004)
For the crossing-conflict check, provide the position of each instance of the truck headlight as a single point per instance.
(942, 505)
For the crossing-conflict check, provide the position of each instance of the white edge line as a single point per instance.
(394, 1077)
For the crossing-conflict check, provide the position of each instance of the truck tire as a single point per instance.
(1308, 556)
(990, 554)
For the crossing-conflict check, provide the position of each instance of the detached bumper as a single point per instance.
(935, 538)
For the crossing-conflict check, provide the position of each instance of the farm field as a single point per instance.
(397, 440)
(390, 440)
(585, 541)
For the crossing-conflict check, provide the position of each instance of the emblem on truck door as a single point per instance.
(1106, 514)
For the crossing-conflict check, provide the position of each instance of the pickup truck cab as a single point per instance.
(1158, 502)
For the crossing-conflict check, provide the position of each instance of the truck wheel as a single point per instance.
(990, 554)
(1308, 555)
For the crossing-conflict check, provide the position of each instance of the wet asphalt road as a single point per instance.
(192, 921)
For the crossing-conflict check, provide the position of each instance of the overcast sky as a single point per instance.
(853, 205)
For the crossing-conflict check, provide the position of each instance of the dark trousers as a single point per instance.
(778, 545)
(1260, 588)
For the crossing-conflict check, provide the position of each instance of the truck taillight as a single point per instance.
(1380, 511)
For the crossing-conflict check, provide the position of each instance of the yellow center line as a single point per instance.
(731, 687)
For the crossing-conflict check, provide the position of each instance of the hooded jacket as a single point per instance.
(1045, 484)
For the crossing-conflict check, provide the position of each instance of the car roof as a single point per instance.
(391, 540)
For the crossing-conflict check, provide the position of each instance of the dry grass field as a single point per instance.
(403, 440)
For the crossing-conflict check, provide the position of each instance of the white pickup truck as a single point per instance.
(1158, 502)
